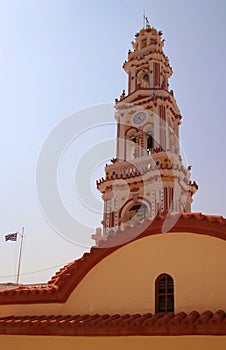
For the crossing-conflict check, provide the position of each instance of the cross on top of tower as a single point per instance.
(145, 21)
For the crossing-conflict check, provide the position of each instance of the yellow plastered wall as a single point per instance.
(112, 343)
(124, 282)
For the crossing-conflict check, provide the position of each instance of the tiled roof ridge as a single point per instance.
(68, 277)
(156, 225)
(181, 323)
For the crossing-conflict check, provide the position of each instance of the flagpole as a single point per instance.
(20, 255)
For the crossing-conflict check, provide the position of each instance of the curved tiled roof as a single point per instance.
(66, 279)
(164, 324)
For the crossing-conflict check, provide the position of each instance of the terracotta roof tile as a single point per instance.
(204, 317)
(218, 317)
(163, 321)
(140, 320)
(147, 324)
(177, 319)
(191, 317)
(68, 277)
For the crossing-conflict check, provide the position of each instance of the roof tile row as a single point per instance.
(137, 324)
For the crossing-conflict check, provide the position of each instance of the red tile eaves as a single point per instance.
(193, 323)
(65, 281)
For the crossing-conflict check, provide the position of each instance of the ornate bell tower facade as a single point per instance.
(147, 175)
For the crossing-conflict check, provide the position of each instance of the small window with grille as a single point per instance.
(164, 297)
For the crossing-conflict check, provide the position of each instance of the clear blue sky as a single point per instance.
(57, 57)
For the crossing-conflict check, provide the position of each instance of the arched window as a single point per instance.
(143, 43)
(149, 137)
(131, 143)
(138, 210)
(164, 294)
(149, 142)
(135, 211)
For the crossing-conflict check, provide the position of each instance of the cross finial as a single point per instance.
(145, 20)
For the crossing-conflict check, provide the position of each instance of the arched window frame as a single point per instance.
(130, 143)
(124, 212)
(139, 210)
(149, 137)
(149, 142)
(167, 295)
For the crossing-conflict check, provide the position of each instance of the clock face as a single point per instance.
(139, 118)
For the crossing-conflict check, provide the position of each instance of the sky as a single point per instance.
(60, 72)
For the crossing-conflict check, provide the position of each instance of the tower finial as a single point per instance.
(145, 20)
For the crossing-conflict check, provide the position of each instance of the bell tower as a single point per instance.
(147, 175)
